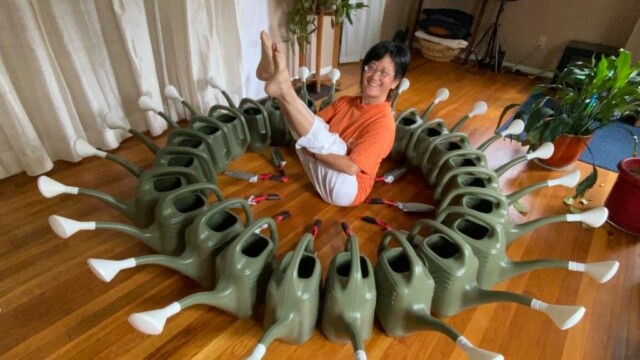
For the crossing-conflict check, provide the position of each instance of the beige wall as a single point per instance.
(633, 44)
(608, 22)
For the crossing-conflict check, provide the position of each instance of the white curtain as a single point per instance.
(364, 33)
(65, 64)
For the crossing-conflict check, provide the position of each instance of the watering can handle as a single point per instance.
(263, 111)
(444, 203)
(235, 112)
(414, 138)
(226, 204)
(256, 226)
(355, 274)
(406, 247)
(215, 122)
(188, 151)
(195, 187)
(406, 113)
(451, 154)
(305, 245)
(485, 219)
(464, 171)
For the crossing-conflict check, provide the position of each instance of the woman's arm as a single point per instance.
(342, 163)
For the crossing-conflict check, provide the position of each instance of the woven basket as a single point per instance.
(437, 52)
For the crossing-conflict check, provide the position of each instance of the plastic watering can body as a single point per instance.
(192, 159)
(175, 212)
(481, 200)
(420, 140)
(406, 124)
(280, 133)
(484, 236)
(465, 177)
(236, 125)
(404, 287)
(350, 297)
(218, 137)
(439, 147)
(293, 295)
(209, 234)
(257, 123)
(197, 140)
(452, 265)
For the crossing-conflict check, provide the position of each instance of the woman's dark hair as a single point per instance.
(398, 53)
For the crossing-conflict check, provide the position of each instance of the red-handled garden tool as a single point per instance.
(251, 177)
(406, 207)
(257, 199)
(391, 176)
(278, 161)
(315, 228)
(379, 223)
(277, 218)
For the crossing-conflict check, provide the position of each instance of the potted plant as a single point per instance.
(586, 97)
(302, 23)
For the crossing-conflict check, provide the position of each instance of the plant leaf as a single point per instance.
(504, 112)
(587, 183)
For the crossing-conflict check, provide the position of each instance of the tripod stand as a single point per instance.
(493, 54)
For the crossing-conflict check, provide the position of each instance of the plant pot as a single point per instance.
(623, 201)
(567, 150)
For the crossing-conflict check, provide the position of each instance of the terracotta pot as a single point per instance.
(623, 201)
(567, 150)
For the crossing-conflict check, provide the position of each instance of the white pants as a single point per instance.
(334, 187)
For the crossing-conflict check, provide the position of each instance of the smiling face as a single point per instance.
(378, 79)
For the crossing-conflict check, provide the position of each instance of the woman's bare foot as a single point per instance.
(265, 68)
(280, 82)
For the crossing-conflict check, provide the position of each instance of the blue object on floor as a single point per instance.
(609, 144)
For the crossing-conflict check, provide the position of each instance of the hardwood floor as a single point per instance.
(52, 306)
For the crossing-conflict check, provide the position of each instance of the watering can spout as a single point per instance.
(600, 271)
(152, 322)
(257, 353)
(106, 270)
(475, 353)
(50, 188)
(594, 217)
(360, 355)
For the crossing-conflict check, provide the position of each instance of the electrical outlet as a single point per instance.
(542, 41)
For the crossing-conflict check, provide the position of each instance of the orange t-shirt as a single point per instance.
(368, 131)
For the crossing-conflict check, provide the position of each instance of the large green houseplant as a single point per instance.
(586, 96)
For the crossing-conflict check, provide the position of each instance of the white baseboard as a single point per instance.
(525, 69)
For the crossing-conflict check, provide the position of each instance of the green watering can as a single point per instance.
(173, 214)
(405, 289)
(406, 124)
(257, 123)
(145, 103)
(188, 158)
(493, 203)
(350, 297)
(420, 140)
(218, 139)
(84, 150)
(212, 82)
(153, 185)
(454, 160)
(172, 93)
(293, 298)
(543, 152)
(486, 238)
(280, 133)
(454, 269)
(466, 177)
(242, 269)
(441, 95)
(509, 231)
(236, 125)
(442, 146)
(479, 108)
(304, 73)
(206, 237)
(113, 123)
(515, 128)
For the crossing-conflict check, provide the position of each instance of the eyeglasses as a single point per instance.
(384, 74)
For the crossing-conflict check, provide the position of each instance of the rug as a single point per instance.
(609, 144)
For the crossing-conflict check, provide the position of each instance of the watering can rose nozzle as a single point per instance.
(172, 93)
(404, 85)
(106, 270)
(601, 271)
(360, 355)
(594, 217)
(441, 95)
(257, 353)
(479, 108)
(303, 72)
(84, 149)
(334, 75)
(145, 103)
(65, 227)
(113, 123)
(543, 152)
(50, 188)
(564, 316)
(152, 322)
(474, 353)
(212, 82)
(569, 180)
(515, 128)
